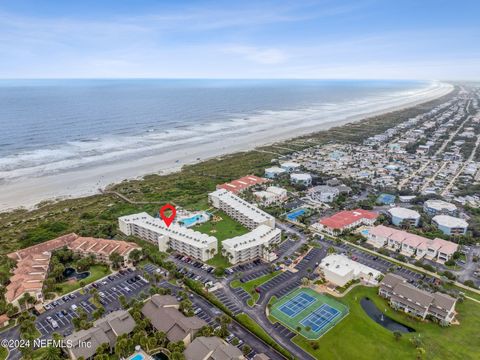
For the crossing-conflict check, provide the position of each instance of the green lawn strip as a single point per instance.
(222, 230)
(3, 353)
(359, 337)
(96, 272)
(252, 325)
(251, 285)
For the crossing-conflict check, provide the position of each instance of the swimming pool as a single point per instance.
(194, 220)
(365, 232)
(295, 214)
(137, 357)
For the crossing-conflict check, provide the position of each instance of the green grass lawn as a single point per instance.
(222, 230)
(250, 286)
(3, 353)
(96, 272)
(359, 337)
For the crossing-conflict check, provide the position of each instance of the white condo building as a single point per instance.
(184, 240)
(239, 209)
(252, 245)
(339, 270)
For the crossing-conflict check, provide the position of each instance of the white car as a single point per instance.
(127, 289)
(74, 307)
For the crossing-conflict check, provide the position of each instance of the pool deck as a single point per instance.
(136, 355)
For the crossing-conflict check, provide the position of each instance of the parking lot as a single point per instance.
(229, 303)
(281, 278)
(241, 294)
(59, 313)
(256, 274)
(378, 263)
(309, 260)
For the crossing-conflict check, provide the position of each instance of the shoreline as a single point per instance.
(28, 193)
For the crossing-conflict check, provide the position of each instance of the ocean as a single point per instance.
(53, 126)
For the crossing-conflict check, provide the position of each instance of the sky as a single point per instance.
(358, 39)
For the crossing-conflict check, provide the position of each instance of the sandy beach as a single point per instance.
(29, 191)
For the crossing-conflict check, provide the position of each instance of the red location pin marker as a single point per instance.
(168, 219)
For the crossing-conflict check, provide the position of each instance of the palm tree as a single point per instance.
(52, 353)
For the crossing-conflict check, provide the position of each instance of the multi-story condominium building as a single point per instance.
(301, 179)
(450, 225)
(346, 220)
(290, 166)
(411, 244)
(323, 193)
(405, 297)
(184, 240)
(255, 244)
(33, 263)
(404, 217)
(271, 195)
(239, 209)
(274, 172)
(437, 207)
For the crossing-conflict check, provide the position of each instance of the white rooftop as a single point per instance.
(440, 205)
(275, 169)
(450, 221)
(404, 213)
(303, 176)
(260, 235)
(175, 231)
(290, 164)
(244, 207)
(341, 265)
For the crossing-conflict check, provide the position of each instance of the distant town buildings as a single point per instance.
(301, 179)
(179, 238)
(419, 303)
(274, 172)
(290, 166)
(255, 244)
(411, 244)
(237, 186)
(346, 220)
(240, 210)
(450, 225)
(339, 270)
(404, 217)
(323, 193)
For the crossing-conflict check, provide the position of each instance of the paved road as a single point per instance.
(111, 290)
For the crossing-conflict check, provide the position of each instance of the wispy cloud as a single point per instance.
(236, 39)
(266, 56)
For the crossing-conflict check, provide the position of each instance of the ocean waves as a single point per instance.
(152, 133)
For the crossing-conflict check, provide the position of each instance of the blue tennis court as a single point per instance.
(321, 317)
(296, 305)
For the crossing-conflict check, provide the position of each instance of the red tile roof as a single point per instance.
(33, 262)
(345, 218)
(243, 183)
